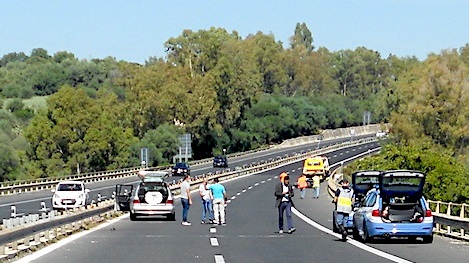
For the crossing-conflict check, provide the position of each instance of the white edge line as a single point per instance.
(66, 240)
(350, 241)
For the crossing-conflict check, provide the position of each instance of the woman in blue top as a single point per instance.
(218, 193)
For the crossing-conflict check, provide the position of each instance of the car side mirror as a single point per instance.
(52, 190)
(87, 190)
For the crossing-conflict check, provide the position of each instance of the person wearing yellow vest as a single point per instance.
(316, 186)
(343, 200)
(302, 184)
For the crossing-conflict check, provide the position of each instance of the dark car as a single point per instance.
(220, 161)
(181, 169)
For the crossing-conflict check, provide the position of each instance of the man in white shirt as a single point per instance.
(186, 200)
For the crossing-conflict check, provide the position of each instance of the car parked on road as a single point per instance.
(396, 209)
(70, 194)
(362, 182)
(220, 161)
(152, 197)
(181, 169)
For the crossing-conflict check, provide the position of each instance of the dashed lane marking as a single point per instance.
(219, 259)
(213, 230)
(256, 184)
(214, 242)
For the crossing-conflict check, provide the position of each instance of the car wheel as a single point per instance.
(366, 237)
(428, 239)
(355, 233)
(172, 217)
(133, 217)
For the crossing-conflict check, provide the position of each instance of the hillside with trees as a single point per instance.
(229, 92)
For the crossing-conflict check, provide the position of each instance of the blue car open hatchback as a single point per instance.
(396, 209)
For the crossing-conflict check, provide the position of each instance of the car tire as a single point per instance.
(133, 217)
(427, 239)
(355, 233)
(366, 237)
(172, 217)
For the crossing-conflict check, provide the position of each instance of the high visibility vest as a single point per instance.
(344, 201)
(302, 182)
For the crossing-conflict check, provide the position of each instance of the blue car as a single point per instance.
(362, 182)
(396, 209)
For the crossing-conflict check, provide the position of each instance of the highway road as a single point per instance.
(30, 203)
(251, 234)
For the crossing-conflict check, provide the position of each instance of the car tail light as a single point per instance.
(428, 213)
(136, 201)
(169, 201)
(375, 212)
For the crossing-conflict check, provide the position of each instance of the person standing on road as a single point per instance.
(316, 186)
(302, 185)
(283, 194)
(207, 212)
(343, 200)
(218, 192)
(186, 200)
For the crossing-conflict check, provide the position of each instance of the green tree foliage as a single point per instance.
(433, 101)
(302, 38)
(446, 178)
(78, 133)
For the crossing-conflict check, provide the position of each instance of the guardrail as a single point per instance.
(450, 219)
(37, 239)
(22, 186)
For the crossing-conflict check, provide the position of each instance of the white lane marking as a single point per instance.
(256, 184)
(214, 242)
(238, 193)
(350, 241)
(228, 201)
(213, 230)
(263, 182)
(233, 197)
(219, 259)
(270, 179)
(250, 187)
(48, 249)
(244, 191)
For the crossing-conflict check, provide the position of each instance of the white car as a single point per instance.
(381, 134)
(70, 194)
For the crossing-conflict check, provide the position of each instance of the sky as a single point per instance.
(136, 30)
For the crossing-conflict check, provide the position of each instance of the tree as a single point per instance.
(302, 38)
(433, 102)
